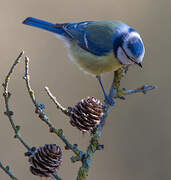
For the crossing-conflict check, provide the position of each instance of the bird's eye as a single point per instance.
(130, 58)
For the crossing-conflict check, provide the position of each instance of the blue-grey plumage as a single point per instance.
(97, 46)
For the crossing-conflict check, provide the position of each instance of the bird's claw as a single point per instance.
(109, 100)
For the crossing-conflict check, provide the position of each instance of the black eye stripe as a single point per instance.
(130, 58)
(118, 42)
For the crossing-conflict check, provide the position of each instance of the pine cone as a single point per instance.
(46, 161)
(86, 114)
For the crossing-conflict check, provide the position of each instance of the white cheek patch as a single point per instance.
(122, 57)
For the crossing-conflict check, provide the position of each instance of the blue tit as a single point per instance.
(97, 46)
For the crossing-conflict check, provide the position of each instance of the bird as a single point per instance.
(97, 46)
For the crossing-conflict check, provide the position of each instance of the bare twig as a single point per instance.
(36, 104)
(142, 89)
(7, 78)
(9, 113)
(58, 105)
(7, 171)
(57, 177)
(121, 93)
(27, 80)
(43, 116)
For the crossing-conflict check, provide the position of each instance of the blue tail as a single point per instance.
(43, 25)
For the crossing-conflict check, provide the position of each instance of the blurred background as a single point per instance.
(137, 135)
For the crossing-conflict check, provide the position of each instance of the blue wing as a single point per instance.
(94, 37)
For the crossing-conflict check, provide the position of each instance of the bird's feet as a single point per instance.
(109, 100)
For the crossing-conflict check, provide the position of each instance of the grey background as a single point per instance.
(137, 135)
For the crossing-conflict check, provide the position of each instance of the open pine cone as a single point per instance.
(46, 161)
(86, 114)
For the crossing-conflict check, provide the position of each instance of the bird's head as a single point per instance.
(128, 47)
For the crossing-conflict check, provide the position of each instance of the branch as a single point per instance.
(144, 89)
(94, 142)
(43, 116)
(9, 113)
(58, 105)
(121, 93)
(57, 177)
(39, 107)
(85, 158)
(7, 171)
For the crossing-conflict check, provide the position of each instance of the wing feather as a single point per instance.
(92, 36)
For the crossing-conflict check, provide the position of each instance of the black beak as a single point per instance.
(131, 59)
(139, 64)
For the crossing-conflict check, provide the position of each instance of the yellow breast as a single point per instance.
(91, 63)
